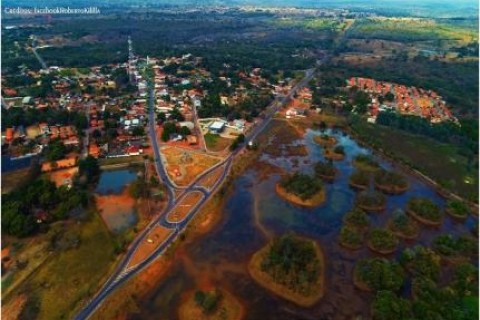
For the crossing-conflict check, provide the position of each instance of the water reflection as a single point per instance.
(254, 212)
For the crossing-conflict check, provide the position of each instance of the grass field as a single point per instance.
(120, 160)
(403, 29)
(440, 162)
(215, 142)
(313, 24)
(69, 276)
(10, 180)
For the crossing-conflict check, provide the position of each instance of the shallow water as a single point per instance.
(254, 212)
(113, 181)
(116, 206)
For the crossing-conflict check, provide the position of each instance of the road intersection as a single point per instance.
(126, 269)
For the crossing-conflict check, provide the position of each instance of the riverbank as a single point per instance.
(316, 200)
(266, 281)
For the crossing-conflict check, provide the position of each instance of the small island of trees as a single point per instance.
(372, 201)
(403, 226)
(365, 162)
(325, 170)
(390, 182)
(359, 180)
(292, 267)
(378, 274)
(357, 218)
(425, 211)
(457, 209)
(301, 189)
(210, 304)
(350, 238)
(454, 249)
(421, 262)
(382, 241)
(325, 140)
(335, 154)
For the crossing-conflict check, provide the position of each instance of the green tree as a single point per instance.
(89, 167)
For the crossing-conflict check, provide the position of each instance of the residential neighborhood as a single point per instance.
(404, 100)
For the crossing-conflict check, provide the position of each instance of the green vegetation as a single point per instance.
(378, 274)
(238, 140)
(325, 170)
(371, 201)
(424, 210)
(463, 246)
(211, 139)
(350, 238)
(432, 302)
(387, 305)
(447, 164)
(357, 218)
(41, 198)
(301, 185)
(14, 117)
(72, 272)
(366, 163)
(359, 179)
(446, 132)
(403, 226)
(89, 168)
(314, 24)
(421, 262)
(293, 262)
(407, 30)
(382, 241)
(169, 128)
(56, 150)
(339, 150)
(457, 209)
(208, 301)
(390, 182)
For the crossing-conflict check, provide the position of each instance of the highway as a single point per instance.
(123, 271)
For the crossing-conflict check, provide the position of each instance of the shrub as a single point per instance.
(421, 261)
(382, 240)
(457, 208)
(350, 237)
(425, 208)
(357, 218)
(360, 178)
(301, 185)
(371, 200)
(323, 169)
(379, 274)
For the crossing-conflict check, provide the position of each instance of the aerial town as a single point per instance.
(202, 161)
(402, 99)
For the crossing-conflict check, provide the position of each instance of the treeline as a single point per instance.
(26, 117)
(464, 135)
(247, 109)
(40, 200)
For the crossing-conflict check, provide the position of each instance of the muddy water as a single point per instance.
(116, 206)
(254, 213)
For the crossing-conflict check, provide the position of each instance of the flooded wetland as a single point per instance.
(254, 213)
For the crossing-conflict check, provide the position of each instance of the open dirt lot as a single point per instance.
(184, 166)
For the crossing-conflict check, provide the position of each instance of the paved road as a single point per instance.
(42, 62)
(122, 272)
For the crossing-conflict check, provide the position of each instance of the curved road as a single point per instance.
(122, 272)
